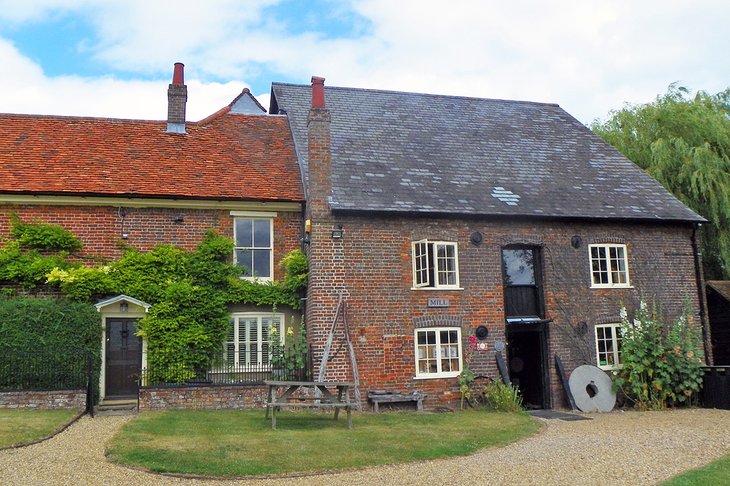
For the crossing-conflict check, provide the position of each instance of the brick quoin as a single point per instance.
(101, 228)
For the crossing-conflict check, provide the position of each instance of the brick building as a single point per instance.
(141, 183)
(440, 218)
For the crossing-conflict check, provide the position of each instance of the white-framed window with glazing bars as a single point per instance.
(438, 352)
(435, 264)
(608, 346)
(609, 265)
(249, 339)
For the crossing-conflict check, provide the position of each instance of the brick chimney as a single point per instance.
(318, 154)
(177, 97)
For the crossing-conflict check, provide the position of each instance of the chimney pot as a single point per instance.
(178, 75)
(317, 92)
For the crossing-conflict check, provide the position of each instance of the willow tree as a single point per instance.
(684, 142)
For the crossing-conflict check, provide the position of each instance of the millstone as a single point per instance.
(591, 389)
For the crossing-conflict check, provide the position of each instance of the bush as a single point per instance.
(503, 398)
(43, 341)
(661, 363)
(43, 236)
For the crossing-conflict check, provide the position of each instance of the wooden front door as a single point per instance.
(123, 357)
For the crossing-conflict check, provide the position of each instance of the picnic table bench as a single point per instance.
(321, 398)
(378, 397)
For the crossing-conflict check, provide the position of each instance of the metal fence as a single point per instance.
(48, 370)
(170, 370)
(42, 370)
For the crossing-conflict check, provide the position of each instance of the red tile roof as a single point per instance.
(226, 156)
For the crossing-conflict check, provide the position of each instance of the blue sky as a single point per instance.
(104, 58)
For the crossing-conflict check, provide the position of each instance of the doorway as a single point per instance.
(123, 358)
(526, 329)
(527, 363)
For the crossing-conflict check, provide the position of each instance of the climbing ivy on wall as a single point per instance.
(189, 290)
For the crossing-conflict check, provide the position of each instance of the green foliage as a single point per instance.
(466, 378)
(189, 290)
(43, 236)
(28, 268)
(684, 142)
(503, 398)
(55, 334)
(296, 268)
(292, 356)
(661, 364)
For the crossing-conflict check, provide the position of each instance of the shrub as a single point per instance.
(46, 339)
(503, 398)
(43, 236)
(661, 363)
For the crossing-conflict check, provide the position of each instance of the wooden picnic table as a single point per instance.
(314, 394)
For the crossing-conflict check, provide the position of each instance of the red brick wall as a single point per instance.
(101, 228)
(44, 399)
(203, 397)
(373, 266)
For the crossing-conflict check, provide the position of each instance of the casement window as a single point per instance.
(609, 266)
(435, 265)
(438, 352)
(249, 339)
(254, 248)
(608, 346)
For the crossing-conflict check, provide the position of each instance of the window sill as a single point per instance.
(437, 288)
(436, 376)
(612, 286)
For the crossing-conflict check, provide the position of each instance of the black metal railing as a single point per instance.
(42, 370)
(170, 370)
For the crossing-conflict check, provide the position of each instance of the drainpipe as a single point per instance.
(701, 293)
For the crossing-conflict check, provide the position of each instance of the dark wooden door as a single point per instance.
(123, 357)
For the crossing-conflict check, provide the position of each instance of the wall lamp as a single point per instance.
(123, 307)
(338, 233)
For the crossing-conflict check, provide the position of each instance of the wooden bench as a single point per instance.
(326, 399)
(394, 397)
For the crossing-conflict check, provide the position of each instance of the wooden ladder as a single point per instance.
(341, 311)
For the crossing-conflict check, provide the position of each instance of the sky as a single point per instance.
(115, 58)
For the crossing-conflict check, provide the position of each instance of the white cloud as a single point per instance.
(588, 56)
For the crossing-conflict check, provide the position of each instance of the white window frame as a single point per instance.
(424, 267)
(612, 352)
(270, 248)
(441, 352)
(610, 265)
(263, 355)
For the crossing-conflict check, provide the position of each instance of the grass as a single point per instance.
(717, 472)
(23, 426)
(241, 443)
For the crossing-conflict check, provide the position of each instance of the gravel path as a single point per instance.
(616, 448)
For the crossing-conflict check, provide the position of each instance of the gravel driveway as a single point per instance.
(615, 448)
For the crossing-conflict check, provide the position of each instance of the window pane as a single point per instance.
(262, 233)
(244, 258)
(420, 264)
(261, 263)
(519, 266)
(446, 264)
(244, 232)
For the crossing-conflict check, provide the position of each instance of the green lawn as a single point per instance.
(717, 472)
(23, 426)
(241, 443)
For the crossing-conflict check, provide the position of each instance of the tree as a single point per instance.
(684, 143)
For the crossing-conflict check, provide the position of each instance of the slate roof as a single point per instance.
(228, 156)
(422, 153)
